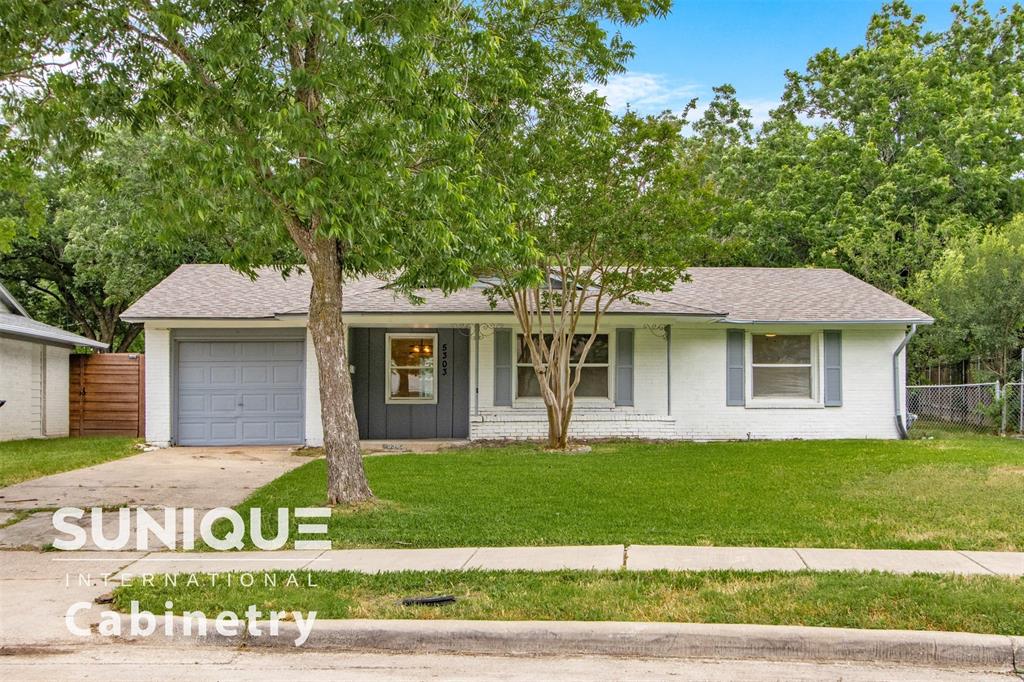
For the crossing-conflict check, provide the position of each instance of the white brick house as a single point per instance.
(734, 353)
(33, 373)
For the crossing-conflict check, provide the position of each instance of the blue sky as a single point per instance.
(748, 43)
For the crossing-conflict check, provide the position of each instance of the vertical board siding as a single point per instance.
(106, 394)
(448, 418)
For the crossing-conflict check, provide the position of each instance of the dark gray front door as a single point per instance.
(379, 419)
(240, 392)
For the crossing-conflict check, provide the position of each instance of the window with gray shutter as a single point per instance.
(833, 368)
(503, 367)
(735, 360)
(624, 367)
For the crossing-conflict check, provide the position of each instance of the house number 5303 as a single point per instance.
(444, 359)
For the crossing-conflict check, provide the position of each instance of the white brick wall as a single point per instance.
(523, 424)
(158, 386)
(57, 378)
(698, 392)
(31, 403)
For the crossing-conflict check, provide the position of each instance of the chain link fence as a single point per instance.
(966, 408)
(1013, 408)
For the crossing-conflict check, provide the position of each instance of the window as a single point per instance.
(411, 368)
(594, 379)
(782, 366)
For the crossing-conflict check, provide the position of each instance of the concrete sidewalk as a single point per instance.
(597, 557)
(37, 588)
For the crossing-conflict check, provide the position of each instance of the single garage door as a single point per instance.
(240, 392)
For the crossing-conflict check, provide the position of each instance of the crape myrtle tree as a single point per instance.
(356, 130)
(614, 213)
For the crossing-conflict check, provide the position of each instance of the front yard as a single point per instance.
(931, 494)
(22, 460)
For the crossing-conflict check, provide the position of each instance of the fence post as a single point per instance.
(1002, 409)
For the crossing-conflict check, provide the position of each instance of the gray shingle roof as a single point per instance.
(735, 294)
(26, 328)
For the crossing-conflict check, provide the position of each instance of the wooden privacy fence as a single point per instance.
(108, 394)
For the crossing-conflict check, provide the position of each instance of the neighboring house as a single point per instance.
(33, 373)
(736, 353)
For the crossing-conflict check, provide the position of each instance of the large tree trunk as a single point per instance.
(346, 478)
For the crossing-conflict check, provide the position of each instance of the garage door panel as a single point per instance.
(192, 403)
(223, 403)
(287, 350)
(255, 431)
(255, 374)
(240, 392)
(286, 431)
(254, 350)
(193, 376)
(284, 402)
(221, 375)
(194, 351)
(255, 403)
(287, 375)
(224, 431)
(219, 350)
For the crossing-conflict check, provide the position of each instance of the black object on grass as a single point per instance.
(429, 601)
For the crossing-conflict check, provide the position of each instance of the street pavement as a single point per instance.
(194, 664)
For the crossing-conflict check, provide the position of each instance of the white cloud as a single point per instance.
(652, 93)
(645, 93)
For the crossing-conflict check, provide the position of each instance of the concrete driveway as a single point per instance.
(201, 478)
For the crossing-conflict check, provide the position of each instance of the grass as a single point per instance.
(963, 494)
(22, 460)
(856, 600)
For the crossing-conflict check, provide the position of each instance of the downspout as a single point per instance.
(901, 425)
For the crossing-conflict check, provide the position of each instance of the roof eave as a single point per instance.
(904, 321)
(51, 339)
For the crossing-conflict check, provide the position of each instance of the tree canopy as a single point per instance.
(878, 157)
(97, 250)
(355, 130)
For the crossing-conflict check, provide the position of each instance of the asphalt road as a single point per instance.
(148, 662)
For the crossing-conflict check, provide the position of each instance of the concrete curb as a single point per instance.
(638, 640)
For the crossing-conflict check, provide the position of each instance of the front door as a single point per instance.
(410, 383)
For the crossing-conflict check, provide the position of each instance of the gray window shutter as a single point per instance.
(833, 368)
(735, 361)
(503, 367)
(624, 366)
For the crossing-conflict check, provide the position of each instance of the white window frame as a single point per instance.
(388, 366)
(817, 370)
(582, 401)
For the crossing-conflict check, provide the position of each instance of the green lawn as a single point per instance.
(21, 460)
(964, 493)
(856, 600)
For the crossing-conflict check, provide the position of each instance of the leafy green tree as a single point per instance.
(96, 252)
(355, 130)
(975, 291)
(880, 156)
(614, 213)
